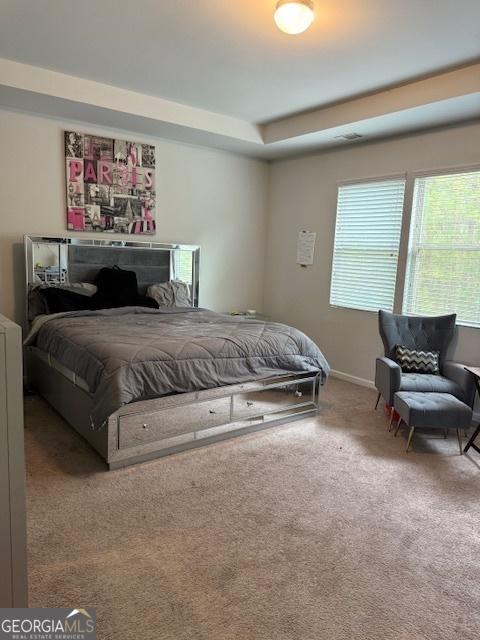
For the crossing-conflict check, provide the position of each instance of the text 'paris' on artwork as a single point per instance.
(110, 184)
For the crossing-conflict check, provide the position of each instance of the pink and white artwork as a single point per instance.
(110, 184)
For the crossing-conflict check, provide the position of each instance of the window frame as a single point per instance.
(407, 240)
(406, 229)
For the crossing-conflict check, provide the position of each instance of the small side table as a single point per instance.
(475, 371)
(250, 316)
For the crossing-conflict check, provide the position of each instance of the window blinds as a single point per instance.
(443, 267)
(367, 238)
(182, 266)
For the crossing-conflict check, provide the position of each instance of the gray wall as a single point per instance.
(303, 195)
(221, 201)
(206, 197)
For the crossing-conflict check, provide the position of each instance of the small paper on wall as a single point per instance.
(306, 247)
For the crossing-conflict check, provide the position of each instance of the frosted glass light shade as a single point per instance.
(294, 16)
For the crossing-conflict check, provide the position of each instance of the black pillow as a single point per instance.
(146, 301)
(59, 300)
(417, 361)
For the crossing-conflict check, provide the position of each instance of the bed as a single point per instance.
(139, 383)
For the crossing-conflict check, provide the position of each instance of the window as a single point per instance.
(367, 238)
(182, 266)
(443, 267)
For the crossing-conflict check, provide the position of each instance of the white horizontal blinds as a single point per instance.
(367, 238)
(443, 268)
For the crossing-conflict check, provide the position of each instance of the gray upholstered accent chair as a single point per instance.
(426, 333)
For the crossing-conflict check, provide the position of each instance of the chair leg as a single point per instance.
(398, 427)
(378, 400)
(460, 441)
(445, 433)
(410, 437)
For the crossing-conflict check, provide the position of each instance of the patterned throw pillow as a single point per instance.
(416, 361)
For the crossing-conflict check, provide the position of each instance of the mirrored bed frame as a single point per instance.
(156, 427)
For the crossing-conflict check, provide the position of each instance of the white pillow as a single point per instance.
(83, 288)
(174, 293)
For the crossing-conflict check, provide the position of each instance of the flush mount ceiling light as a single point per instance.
(294, 16)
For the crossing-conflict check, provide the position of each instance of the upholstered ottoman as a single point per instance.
(431, 410)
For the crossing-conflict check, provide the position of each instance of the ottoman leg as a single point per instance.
(445, 433)
(378, 400)
(391, 419)
(410, 437)
(460, 441)
(399, 423)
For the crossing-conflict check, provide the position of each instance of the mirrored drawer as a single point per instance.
(270, 400)
(135, 429)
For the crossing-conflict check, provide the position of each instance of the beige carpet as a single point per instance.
(321, 529)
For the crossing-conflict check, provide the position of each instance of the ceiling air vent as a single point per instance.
(349, 136)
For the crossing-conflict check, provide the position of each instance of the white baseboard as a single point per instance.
(363, 382)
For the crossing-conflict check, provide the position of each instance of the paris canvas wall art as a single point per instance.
(110, 184)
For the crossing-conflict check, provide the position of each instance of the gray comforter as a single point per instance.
(134, 353)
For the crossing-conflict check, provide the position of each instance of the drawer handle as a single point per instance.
(212, 411)
(249, 403)
(145, 426)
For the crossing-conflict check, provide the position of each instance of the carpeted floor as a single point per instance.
(321, 529)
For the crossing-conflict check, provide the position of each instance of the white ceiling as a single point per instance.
(227, 56)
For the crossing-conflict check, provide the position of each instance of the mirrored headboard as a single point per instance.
(63, 260)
